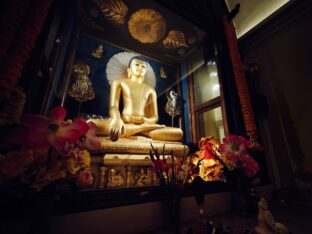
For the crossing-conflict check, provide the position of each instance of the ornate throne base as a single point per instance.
(126, 163)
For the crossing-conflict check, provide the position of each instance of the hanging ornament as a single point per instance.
(98, 52)
(175, 39)
(82, 89)
(162, 73)
(173, 105)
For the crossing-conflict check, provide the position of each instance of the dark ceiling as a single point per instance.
(167, 31)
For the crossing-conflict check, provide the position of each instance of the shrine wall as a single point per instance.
(282, 50)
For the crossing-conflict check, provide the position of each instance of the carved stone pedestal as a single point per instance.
(140, 145)
(126, 162)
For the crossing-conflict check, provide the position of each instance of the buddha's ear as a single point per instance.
(129, 72)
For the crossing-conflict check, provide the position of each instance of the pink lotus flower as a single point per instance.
(42, 131)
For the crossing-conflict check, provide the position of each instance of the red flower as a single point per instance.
(40, 131)
(160, 166)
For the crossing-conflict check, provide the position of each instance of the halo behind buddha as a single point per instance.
(117, 65)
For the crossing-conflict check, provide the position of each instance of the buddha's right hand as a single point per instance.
(116, 127)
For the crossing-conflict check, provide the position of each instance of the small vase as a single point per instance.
(174, 205)
(41, 214)
(244, 195)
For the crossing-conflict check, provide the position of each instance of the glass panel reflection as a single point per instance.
(211, 123)
(206, 83)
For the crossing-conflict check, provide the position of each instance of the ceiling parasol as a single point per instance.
(147, 26)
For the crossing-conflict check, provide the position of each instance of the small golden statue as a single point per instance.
(140, 113)
(115, 179)
(140, 178)
(98, 52)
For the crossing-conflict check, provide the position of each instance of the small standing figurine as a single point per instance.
(102, 177)
(98, 52)
(129, 175)
(266, 221)
(140, 178)
(115, 179)
(173, 105)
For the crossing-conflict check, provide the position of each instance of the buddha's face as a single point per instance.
(137, 68)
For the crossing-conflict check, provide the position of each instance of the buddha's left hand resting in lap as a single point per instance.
(139, 115)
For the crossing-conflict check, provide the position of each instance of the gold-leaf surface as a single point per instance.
(114, 10)
(147, 26)
(175, 39)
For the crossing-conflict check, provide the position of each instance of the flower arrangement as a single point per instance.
(46, 150)
(235, 150)
(233, 154)
(173, 174)
(169, 170)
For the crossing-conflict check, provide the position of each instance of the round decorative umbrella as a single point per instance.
(147, 26)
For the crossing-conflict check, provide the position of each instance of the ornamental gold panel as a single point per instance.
(114, 10)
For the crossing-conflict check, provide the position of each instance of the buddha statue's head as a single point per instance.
(137, 68)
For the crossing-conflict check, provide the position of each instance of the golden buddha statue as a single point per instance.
(140, 114)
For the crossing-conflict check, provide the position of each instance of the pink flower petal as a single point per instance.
(92, 141)
(57, 114)
(68, 134)
(57, 142)
(81, 125)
